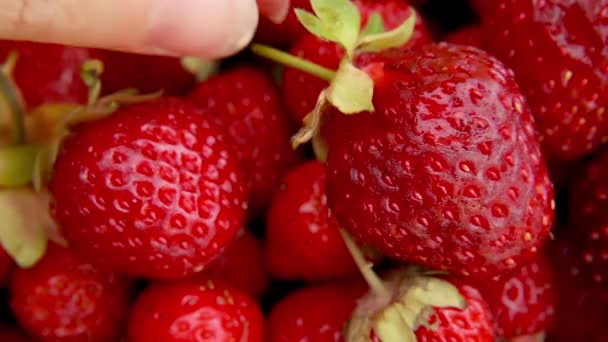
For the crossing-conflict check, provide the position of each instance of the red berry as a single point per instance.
(48, 73)
(447, 171)
(143, 72)
(9, 333)
(303, 241)
(63, 298)
(194, 311)
(301, 90)
(285, 33)
(560, 65)
(317, 313)
(152, 190)
(522, 302)
(245, 102)
(242, 265)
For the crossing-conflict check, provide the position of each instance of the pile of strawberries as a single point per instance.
(360, 174)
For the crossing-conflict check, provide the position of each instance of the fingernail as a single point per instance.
(281, 13)
(203, 28)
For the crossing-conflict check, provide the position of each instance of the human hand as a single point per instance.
(202, 28)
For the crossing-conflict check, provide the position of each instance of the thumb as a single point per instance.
(203, 28)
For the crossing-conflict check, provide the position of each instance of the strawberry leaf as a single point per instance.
(26, 224)
(338, 21)
(17, 164)
(311, 123)
(352, 90)
(391, 39)
(375, 25)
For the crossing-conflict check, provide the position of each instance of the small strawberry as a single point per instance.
(10, 333)
(192, 311)
(152, 190)
(301, 90)
(242, 265)
(146, 73)
(302, 238)
(561, 67)
(6, 266)
(63, 298)
(285, 33)
(469, 35)
(522, 302)
(588, 217)
(47, 73)
(316, 313)
(246, 103)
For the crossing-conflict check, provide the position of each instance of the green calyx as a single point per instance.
(12, 108)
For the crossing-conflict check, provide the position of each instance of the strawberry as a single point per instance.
(152, 190)
(9, 333)
(522, 302)
(582, 307)
(302, 238)
(447, 171)
(189, 311)
(242, 265)
(146, 73)
(6, 266)
(588, 216)
(47, 73)
(63, 298)
(316, 313)
(285, 33)
(560, 66)
(301, 90)
(468, 35)
(256, 123)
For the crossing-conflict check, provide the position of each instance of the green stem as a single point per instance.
(286, 59)
(12, 98)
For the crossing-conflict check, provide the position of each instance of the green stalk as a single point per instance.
(286, 59)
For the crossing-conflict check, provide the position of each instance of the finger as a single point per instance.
(275, 10)
(204, 28)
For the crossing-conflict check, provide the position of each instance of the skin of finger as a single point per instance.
(194, 27)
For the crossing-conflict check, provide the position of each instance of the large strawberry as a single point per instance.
(302, 237)
(153, 190)
(588, 217)
(317, 313)
(47, 73)
(522, 302)
(242, 265)
(246, 103)
(192, 311)
(301, 90)
(64, 298)
(558, 50)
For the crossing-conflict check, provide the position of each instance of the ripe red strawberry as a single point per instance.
(152, 190)
(522, 302)
(301, 90)
(63, 298)
(285, 33)
(589, 217)
(191, 311)
(447, 171)
(582, 307)
(303, 241)
(468, 35)
(6, 266)
(245, 102)
(317, 313)
(560, 65)
(9, 333)
(48, 73)
(146, 73)
(242, 265)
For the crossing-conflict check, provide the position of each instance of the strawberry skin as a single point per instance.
(143, 72)
(303, 241)
(194, 311)
(317, 313)
(560, 65)
(63, 298)
(10, 333)
(589, 217)
(301, 90)
(152, 190)
(48, 73)
(468, 35)
(522, 302)
(447, 172)
(242, 265)
(246, 104)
